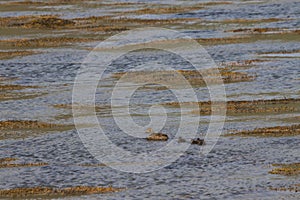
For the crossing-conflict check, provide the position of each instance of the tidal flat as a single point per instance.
(254, 46)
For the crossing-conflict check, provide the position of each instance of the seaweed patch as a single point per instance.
(292, 188)
(15, 129)
(277, 131)
(286, 169)
(246, 107)
(12, 54)
(38, 192)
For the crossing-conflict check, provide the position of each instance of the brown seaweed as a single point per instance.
(15, 129)
(38, 192)
(291, 169)
(246, 107)
(292, 188)
(12, 54)
(276, 131)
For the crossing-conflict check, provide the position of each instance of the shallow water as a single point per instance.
(236, 167)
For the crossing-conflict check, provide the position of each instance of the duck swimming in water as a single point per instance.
(156, 136)
(198, 141)
(181, 140)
